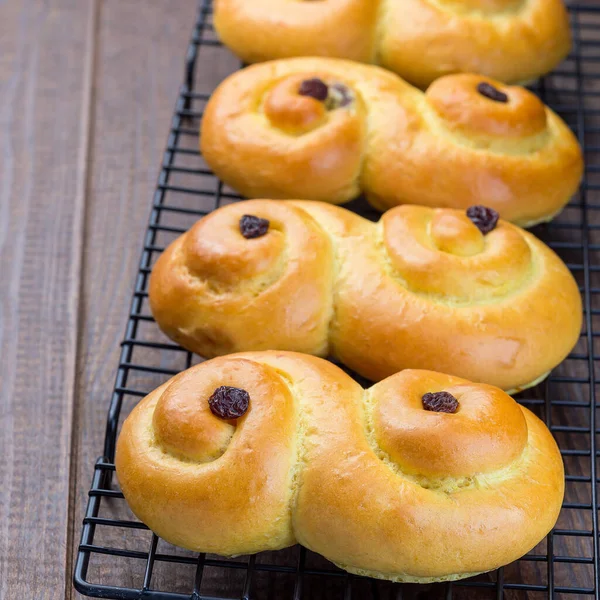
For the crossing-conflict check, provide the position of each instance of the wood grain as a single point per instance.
(139, 68)
(45, 96)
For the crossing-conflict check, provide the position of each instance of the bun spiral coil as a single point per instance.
(511, 40)
(423, 288)
(327, 129)
(377, 481)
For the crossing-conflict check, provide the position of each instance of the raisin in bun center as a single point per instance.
(444, 253)
(514, 41)
(311, 124)
(433, 444)
(485, 7)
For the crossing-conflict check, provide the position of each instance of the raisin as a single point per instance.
(229, 402)
(339, 96)
(253, 227)
(483, 217)
(489, 91)
(315, 88)
(440, 402)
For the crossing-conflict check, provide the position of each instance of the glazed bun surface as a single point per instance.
(327, 129)
(378, 481)
(423, 288)
(510, 40)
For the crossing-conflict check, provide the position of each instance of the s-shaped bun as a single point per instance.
(423, 288)
(326, 129)
(510, 40)
(379, 481)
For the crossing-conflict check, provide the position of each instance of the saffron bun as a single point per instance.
(423, 288)
(421, 40)
(370, 479)
(329, 130)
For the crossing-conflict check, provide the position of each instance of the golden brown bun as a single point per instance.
(367, 478)
(450, 147)
(510, 40)
(423, 288)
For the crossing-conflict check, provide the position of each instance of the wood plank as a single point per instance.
(140, 64)
(45, 87)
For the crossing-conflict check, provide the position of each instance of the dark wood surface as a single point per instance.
(87, 89)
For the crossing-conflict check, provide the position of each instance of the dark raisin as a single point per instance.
(489, 91)
(315, 88)
(483, 217)
(440, 402)
(253, 227)
(229, 402)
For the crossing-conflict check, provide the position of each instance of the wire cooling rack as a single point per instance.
(120, 558)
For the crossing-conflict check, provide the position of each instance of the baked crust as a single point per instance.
(449, 147)
(510, 40)
(423, 288)
(367, 478)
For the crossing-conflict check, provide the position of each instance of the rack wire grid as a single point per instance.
(119, 557)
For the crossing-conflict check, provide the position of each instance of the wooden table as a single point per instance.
(87, 89)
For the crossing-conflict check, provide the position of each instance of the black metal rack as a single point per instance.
(120, 558)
